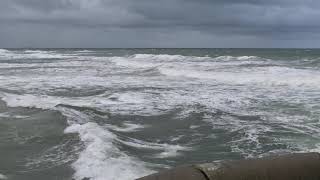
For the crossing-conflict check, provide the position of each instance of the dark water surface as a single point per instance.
(124, 113)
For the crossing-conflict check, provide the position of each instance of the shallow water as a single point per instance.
(124, 113)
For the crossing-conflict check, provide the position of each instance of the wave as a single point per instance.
(84, 51)
(165, 57)
(28, 100)
(4, 54)
(126, 127)
(168, 150)
(151, 60)
(310, 62)
(3, 177)
(42, 55)
(270, 76)
(36, 51)
(121, 103)
(143, 61)
(125, 62)
(31, 54)
(129, 101)
(4, 51)
(100, 158)
(237, 58)
(65, 152)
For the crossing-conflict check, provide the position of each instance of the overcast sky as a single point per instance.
(159, 23)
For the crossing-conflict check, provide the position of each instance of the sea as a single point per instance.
(120, 114)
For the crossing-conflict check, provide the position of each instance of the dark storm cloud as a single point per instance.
(170, 23)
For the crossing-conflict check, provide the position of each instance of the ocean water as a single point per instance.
(119, 114)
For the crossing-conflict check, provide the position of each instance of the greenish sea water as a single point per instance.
(120, 114)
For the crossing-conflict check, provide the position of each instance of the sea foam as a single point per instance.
(269, 76)
(31, 54)
(101, 159)
(3, 177)
(168, 150)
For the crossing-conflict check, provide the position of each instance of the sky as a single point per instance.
(159, 23)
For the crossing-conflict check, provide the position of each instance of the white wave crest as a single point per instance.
(3, 177)
(239, 58)
(165, 57)
(31, 54)
(42, 55)
(168, 150)
(28, 100)
(127, 127)
(152, 60)
(4, 51)
(119, 61)
(101, 159)
(5, 54)
(271, 76)
(126, 103)
(84, 51)
(185, 62)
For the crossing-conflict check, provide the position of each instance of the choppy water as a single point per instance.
(124, 113)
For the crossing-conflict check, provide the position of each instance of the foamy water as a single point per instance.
(3, 176)
(135, 112)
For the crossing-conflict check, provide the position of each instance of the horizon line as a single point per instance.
(158, 48)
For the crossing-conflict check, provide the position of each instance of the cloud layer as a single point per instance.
(165, 23)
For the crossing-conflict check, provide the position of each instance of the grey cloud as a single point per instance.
(213, 22)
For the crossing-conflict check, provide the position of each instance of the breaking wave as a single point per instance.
(3, 177)
(101, 158)
(30, 54)
(272, 76)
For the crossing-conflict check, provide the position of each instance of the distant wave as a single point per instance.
(150, 60)
(4, 51)
(84, 51)
(30, 54)
(166, 57)
(271, 76)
